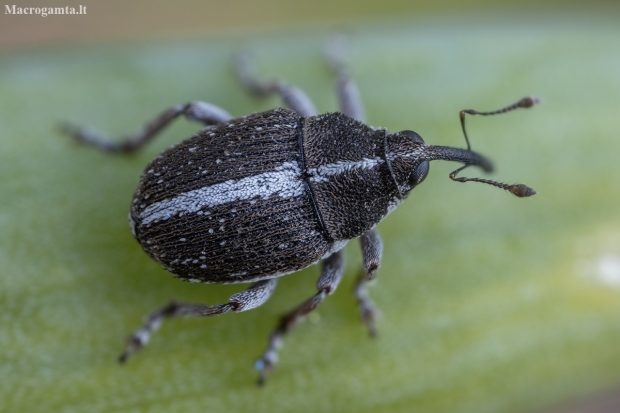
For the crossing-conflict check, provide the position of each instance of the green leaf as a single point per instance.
(490, 303)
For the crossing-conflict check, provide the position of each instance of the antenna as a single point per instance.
(519, 190)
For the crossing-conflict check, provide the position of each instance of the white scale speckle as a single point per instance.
(182, 239)
(132, 224)
(394, 203)
(210, 231)
(218, 161)
(335, 247)
(203, 266)
(159, 182)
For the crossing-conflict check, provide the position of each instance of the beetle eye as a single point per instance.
(419, 174)
(421, 170)
(414, 136)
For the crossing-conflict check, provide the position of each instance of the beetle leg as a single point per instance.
(293, 97)
(253, 297)
(332, 271)
(346, 88)
(203, 112)
(372, 249)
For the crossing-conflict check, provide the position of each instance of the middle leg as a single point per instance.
(332, 272)
(346, 88)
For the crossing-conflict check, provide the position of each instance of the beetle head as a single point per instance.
(408, 156)
(409, 159)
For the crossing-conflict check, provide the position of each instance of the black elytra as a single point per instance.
(259, 237)
(254, 198)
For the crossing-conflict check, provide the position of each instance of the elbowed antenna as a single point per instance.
(468, 157)
(525, 103)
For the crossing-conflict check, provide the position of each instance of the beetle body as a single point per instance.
(268, 194)
(258, 197)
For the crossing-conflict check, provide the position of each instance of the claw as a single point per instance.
(135, 342)
(370, 314)
(265, 365)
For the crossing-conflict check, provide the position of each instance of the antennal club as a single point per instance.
(519, 190)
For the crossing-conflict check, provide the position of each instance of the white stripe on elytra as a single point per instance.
(322, 173)
(285, 181)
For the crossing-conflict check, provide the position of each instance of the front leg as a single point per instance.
(372, 249)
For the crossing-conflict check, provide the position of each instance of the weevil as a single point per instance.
(251, 199)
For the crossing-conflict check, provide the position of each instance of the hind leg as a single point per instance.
(202, 112)
(253, 297)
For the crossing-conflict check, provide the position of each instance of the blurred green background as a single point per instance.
(490, 303)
